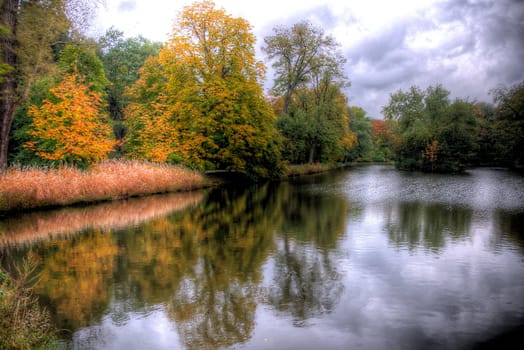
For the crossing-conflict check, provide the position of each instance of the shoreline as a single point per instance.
(24, 190)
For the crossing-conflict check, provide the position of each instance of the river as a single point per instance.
(366, 257)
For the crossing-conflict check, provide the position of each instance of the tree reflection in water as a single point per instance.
(202, 264)
(306, 281)
(201, 271)
(215, 302)
(415, 224)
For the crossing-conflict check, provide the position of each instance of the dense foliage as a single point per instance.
(197, 100)
(434, 133)
(200, 101)
(122, 58)
(71, 126)
(312, 109)
(31, 34)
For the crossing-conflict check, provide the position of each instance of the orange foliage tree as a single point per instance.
(71, 126)
(200, 102)
(384, 139)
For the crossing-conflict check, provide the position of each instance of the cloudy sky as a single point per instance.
(468, 46)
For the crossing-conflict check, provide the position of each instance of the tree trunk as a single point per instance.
(9, 85)
(312, 154)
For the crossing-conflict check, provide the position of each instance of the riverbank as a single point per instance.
(308, 169)
(29, 188)
(32, 187)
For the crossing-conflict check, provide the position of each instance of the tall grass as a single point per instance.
(23, 188)
(23, 323)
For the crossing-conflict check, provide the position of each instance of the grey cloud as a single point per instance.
(375, 49)
(498, 28)
(487, 51)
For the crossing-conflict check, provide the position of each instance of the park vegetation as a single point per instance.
(85, 119)
(197, 101)
(31, 187)
(24, 324)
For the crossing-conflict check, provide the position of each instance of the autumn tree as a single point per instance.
(79, 61)
(384, 140)
(200, 101)
(29, 32)
(71, 127)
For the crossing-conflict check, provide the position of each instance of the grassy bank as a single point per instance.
(23, 323)
(25, 188)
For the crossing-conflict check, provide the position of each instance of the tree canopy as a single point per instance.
(434, 133)
(30, 33)
(309, 81)
(200, 101)
(71, 127)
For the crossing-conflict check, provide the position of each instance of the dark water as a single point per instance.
(366, 258)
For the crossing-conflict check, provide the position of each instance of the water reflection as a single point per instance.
(30, 227)
(306, 281)
(430, 225)
(215, 302)
(509, 230)
(324, 261)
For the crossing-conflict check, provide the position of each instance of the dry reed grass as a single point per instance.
(24, 188)
(37, 226)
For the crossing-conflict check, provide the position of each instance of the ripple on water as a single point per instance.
(483, 188)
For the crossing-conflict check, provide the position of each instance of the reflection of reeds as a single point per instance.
(36, 187)
(119, 214)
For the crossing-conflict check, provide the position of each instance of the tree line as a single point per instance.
(198, 99)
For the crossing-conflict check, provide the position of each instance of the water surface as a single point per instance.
(368, 258)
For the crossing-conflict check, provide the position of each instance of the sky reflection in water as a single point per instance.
(368, 258)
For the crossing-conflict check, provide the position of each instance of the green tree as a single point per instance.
(360, 125)
(434, 134)
(490, 141)
(456, 137)
(122, 58)
(309, 80)
(201, 103)
(509, 114)
(299, 52)
(81, 61)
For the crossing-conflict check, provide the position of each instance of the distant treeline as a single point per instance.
(425, 130)
(197, 100)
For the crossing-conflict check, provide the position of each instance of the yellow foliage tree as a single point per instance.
(72, 126)
(200, 102)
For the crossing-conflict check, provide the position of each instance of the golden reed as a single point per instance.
(25, 188)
